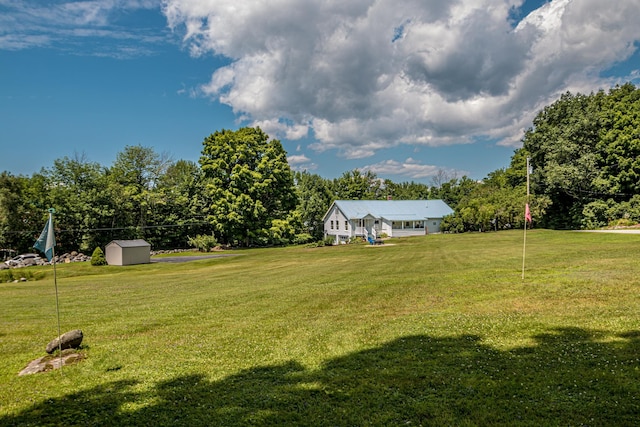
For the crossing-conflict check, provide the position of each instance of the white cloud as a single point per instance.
(410, 168)
(300, 162)
(76, 25)
(297, 159)
(364, 75)
(279, 129)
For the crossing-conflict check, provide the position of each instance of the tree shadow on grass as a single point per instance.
(568, 377)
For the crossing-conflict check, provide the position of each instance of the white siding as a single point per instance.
(335, 225)
(369, 218)
(124, 252)
(113, 254)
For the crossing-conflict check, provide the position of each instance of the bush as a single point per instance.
(329, 240)
(203, 242)
(595, 214)
(302, 239)
(97, 258)
(622, 222)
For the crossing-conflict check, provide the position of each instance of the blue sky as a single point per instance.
(402, 89)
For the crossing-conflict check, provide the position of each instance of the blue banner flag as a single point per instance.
(47, 239)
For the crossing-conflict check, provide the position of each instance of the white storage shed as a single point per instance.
(128, 252)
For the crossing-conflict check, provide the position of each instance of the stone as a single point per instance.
(71, 339)
(48, 363)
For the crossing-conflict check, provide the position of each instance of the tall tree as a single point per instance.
(77, 189)
(133, 180)
(405, 190)
(249, 184)
(314, 199)
(23, 206)
(452, 192)
(181, 205)
(11, 211)
(357, 185)
(585, 151)
(620, 143)
(562, 146)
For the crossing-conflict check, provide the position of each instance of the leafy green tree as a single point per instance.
(77, 190)
(12, 211)
(133, 181)
(405, 190)
(314, 199)
(585, 150)
(496, 203)
(453, 191)
(248, 186)
(619, 143)
(562, 146)
(179, 210)
(356, 185)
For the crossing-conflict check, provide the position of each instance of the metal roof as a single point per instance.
(395, 210)
(136, 243)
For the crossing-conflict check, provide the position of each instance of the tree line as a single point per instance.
(584, 149)
(241, 192)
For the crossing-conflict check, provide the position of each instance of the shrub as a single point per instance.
(203, 242)
(622, 222)
(329, 240)
(97, 258)
(302, 239)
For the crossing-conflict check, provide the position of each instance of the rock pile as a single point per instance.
(69, 342)
(64, 258)
(71, 257)
(171, 251)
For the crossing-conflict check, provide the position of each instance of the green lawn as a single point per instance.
(433, 330)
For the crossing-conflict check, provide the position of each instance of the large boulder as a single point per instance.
(71, 339)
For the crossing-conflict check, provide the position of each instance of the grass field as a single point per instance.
(433, 330)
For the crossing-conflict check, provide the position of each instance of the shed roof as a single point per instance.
(136, 243)
(398, 210)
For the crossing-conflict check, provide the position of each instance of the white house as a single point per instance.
(128, 252)
(395, 218)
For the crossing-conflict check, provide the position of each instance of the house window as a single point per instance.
(332, 225)
(346, 225)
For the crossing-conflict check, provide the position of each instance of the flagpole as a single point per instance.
(524, 244)
(55, 284)
(46, 244)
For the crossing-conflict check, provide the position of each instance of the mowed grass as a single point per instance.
(432, 330)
